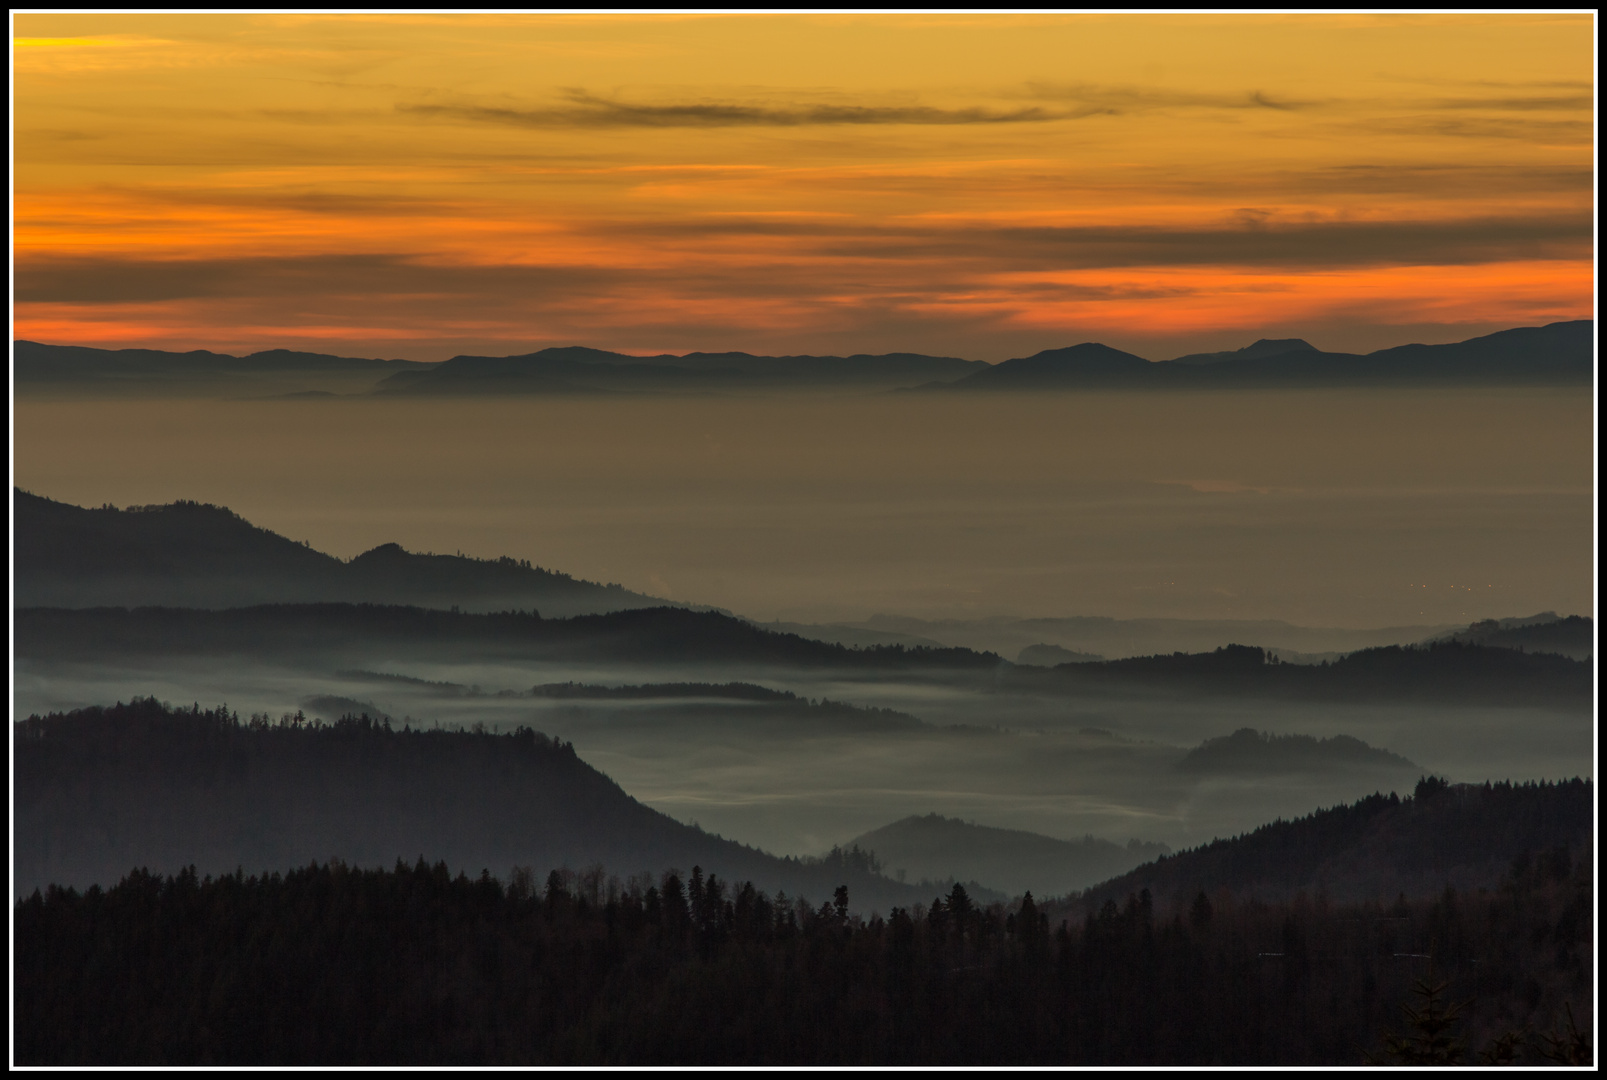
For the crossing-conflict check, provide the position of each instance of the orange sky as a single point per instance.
(980, 186)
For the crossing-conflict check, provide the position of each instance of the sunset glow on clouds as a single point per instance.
(977, 186)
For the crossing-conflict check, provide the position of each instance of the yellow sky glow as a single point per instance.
(972, 185)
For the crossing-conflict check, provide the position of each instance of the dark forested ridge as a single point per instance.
(1248, 752)
(738, 703)
(1573, 636)
(189, 554)
(1445, 671)
(328, 965)
(1557, 354)
(98, 791)
(646, 635)
(1461, 835)
(935, 847)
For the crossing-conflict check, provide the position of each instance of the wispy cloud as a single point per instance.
(1141, 98)
(586, 110)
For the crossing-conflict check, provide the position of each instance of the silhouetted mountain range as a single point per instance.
(1100, 635)
(566, 370)
(1464, 835)
(37, 362)
(102, 791)
(1264, 347)
(578, 370)
(189, 554)
(327, 633)
(1446, 672)
(937, 848)
(1561, 353)
(1449, 672)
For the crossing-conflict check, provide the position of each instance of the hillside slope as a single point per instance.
(348, 632)
(189, 554)
(102, 791)
(1012, 860)
(1464, 836)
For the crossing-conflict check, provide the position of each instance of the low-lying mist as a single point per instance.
(798, 777)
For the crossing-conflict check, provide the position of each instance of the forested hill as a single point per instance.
(1573, 636)
(1464, 835)
(350, 631)
(102, 791)
(940, 848)
(189, 554)
(1449, 671)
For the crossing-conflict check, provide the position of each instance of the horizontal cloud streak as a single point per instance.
(588, 111)
(790, 248)
(1129, 98)
(1299, 244)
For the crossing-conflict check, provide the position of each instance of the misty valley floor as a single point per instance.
(1100, 765)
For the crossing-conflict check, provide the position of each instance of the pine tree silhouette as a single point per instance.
(1570, 1049)
(1430, 1040)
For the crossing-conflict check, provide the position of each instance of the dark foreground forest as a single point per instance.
(330, 965)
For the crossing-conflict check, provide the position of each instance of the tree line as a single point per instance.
(330, 964)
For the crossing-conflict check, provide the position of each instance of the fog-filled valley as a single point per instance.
(909, 659)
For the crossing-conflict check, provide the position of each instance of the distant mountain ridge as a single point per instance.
(36, 362)
(1560, 353)
(560, 370)
(1557, 354)
(1264, 347)
(360, 634)
(1444, 671)
(579, 370)
(188, 554)
(661, 635)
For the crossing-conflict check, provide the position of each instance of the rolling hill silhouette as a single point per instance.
(1249, 752)
(1463, 835)
(937, 848)
(101, 791)
(188, 554)
(349, 632)
(1573, 636)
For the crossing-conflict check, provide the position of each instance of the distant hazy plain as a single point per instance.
(1329, 508)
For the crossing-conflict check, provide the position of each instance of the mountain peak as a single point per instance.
(1259, 350)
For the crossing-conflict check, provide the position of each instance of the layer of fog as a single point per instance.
(1105, 766)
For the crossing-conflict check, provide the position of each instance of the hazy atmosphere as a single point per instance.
(1333, 508)
(1039, 539)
